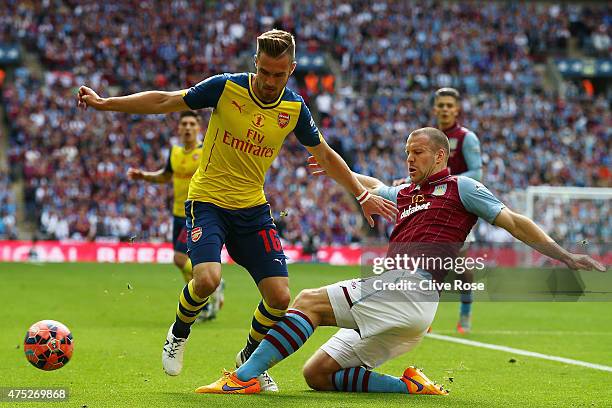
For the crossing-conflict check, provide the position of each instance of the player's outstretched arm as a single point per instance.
(527, 231)
(335, 167)
(160, 176)
(370, 183)
(149, 102)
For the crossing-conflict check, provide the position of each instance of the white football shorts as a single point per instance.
(380, 317)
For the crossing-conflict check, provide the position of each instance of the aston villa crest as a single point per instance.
(439, 190)
(283, 119)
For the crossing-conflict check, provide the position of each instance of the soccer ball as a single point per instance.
(48, 345)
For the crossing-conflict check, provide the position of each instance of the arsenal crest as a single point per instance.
(196, 234)
(283, 119)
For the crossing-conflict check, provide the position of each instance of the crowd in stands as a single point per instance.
(576, 219)
(8, 208)
(395, 53)
(392, 56)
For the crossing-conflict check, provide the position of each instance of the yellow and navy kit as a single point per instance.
(182, 164)
(243, 138)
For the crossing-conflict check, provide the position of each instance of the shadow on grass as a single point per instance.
(312, 399)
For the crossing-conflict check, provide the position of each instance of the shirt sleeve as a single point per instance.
(168, 168)
(388, 192)
(206, 94)
(472, 156)
(478, 200)
(305, 130)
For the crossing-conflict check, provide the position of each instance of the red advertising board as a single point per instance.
(119, 252)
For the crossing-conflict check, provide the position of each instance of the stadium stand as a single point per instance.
(391, 56)
(7, 208)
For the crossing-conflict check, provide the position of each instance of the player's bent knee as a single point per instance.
(316, 378)
(279, 300)
(316, 381)
(206, 278)
(205, 285)
(307, 298)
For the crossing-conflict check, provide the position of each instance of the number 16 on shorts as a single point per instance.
(270, 240)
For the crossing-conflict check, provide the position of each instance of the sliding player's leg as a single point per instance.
(310, 309)
(390, 322)
(345, 363)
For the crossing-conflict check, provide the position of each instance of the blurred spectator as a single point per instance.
(312, 83)
(574, 220)
(8, 208)
(601, 41)
(327, 83)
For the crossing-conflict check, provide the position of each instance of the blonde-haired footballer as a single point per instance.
(183, 161)
(252, 115)
(387, 315)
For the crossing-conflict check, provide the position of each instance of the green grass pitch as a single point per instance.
(119, 333)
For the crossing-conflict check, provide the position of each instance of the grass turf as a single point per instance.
(119, 332)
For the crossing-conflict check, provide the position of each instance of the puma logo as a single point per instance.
(238, 106)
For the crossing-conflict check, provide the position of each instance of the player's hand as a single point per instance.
(314, 167)
(135, 174)
(584, 262)
(378, 205)
(401, 181)
(87, 97)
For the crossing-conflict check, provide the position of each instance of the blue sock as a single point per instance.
(282, 340)
(358, 379)
(466, 303)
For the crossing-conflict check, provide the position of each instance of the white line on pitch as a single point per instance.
(519, 351)
(533, 332)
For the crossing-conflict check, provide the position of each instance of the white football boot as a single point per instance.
(172, 354)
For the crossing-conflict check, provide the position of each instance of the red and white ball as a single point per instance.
(48, 345)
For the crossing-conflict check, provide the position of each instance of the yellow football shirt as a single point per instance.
(243, 138)
(182, 164)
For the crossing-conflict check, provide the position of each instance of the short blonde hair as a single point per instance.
(276, 43)
(437, 139)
